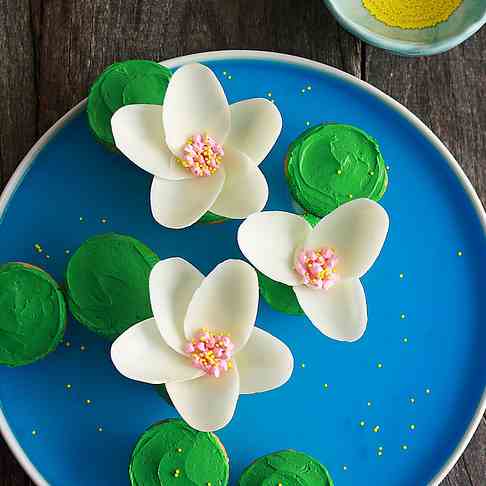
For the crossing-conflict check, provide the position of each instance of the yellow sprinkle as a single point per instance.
(372, 173)
(339, 172)
(411, 14)
(459, 253)
(326, 386)
(269, 94)
(208, 483)
(380, 365)
(362, 423)
(412, 426)
(69, 386)
(179, 450)
(302, 365)
(350, 196)
(376, 429)
(88, 401)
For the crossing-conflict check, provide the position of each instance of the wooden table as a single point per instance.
(52, 50)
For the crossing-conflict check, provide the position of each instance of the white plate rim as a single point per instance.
(26, 163)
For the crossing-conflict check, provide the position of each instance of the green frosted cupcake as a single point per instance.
(124, 83)
(107, 282)
(33, 314)
(171, 453)
(279, 296)
(330, 164)
(286, 468)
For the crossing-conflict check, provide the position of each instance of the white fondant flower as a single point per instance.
(202, 341)
(203, 153)
(323, 264)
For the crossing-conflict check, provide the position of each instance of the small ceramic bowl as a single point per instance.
(462, 24)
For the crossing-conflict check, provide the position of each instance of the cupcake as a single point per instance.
(121, 84)
(330, 164)
(286, 468)
(107, 281)
(33, 314)
(171, 452)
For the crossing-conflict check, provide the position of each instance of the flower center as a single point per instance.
(211, 352)
(317, 268)
(202, 155)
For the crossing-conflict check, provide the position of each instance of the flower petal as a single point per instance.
(255, 127)
(178, 204)
(357, 231)
(194, 103)
(139, 135)
(264, 363)
(172, 285)
(207, 403)
(141, 354)
(340, 312)
(269, 241)
(245, 189)
(226, 301)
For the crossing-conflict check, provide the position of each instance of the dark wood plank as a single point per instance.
(79, 38)
(448, 92)
(18, 115)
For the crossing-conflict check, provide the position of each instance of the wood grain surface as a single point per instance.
(52, 50)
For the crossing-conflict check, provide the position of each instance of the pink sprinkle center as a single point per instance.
(211, 352)
(317, 268)
(202, 155)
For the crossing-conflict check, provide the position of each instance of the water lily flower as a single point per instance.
(203, 153)
(323, 264)
(202, 341)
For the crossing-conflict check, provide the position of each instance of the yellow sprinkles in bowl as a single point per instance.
(412, 14)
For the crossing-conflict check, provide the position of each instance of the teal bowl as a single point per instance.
(461, 25)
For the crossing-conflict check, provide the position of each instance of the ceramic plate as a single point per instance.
(412, 388)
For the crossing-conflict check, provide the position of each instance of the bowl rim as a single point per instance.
(23, 169)
(401, 47)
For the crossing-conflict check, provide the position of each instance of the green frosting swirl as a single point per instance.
(107, 283)
(329, 164)
(121, 84)
(33, 314)
(289, 468)
(171, 446)
(279, 296)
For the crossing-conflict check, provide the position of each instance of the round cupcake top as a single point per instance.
(33, 314)
(331, 164)
(107, 282)
(286, 468)
(124, 83)
(173, 454)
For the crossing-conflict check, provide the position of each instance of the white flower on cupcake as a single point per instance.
(323, 264)
(202, 341)
(203, 153)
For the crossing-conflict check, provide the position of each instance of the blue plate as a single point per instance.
(397, 408)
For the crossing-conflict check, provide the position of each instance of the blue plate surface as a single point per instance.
(387, 410)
